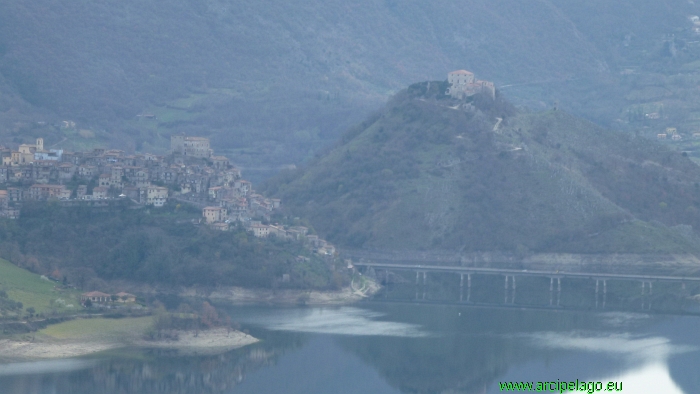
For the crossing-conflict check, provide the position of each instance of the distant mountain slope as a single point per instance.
(280, 78)
(426, 173)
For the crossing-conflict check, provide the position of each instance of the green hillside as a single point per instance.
(156, 247)
(429, 172)
(32, 291)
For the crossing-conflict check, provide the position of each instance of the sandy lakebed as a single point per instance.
(44, 346)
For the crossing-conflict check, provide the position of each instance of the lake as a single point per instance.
(397, 347)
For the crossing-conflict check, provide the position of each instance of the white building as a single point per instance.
(156, 196)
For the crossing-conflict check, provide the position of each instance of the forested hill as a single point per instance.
(274, 81)
(159, 247)
(431, 172)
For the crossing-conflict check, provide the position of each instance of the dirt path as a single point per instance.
(498, 123)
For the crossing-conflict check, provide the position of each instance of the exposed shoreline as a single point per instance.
(43, 346)
(241, 295)
(205, 342)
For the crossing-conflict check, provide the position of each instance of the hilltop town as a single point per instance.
(190, 174)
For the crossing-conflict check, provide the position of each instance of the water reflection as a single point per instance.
(338, 321)
(397, 348)
(146, 371)
(45, 367)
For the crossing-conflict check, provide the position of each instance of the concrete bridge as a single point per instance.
(511, 274)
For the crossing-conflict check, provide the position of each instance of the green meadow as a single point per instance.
(33, 291)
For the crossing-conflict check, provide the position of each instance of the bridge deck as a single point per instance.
(514, 272)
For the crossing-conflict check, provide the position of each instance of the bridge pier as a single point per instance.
(461, 287)
(605, 292)
(512, 294)
(373, 271)
(644, 299)
(469, 287)
(558, 291)
(551, 291)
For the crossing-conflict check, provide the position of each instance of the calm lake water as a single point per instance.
(398, 348)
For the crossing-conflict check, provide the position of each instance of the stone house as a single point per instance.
(14, 194)
(125, 297)
(40, 192)
(95, 297)
(99, 192)
(105, 180)
(190, 146)
(156, 195)
(220, 162)
(87, 171)
(4, 199)
(463, 84)
(260, 230)
(214, 193)
(66, 171)
(214, 214)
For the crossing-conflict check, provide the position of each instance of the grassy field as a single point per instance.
(99, 328)
(33, 291)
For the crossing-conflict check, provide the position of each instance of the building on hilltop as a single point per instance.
(190, 146)
(463, 84)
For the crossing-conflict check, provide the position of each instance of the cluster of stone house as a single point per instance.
(217, 217)
(673, 134)
(463, 84)
(298, 233)
(190, 173)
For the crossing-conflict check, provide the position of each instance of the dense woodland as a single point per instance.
(86, 247)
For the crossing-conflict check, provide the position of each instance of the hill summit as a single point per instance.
(438, 171)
